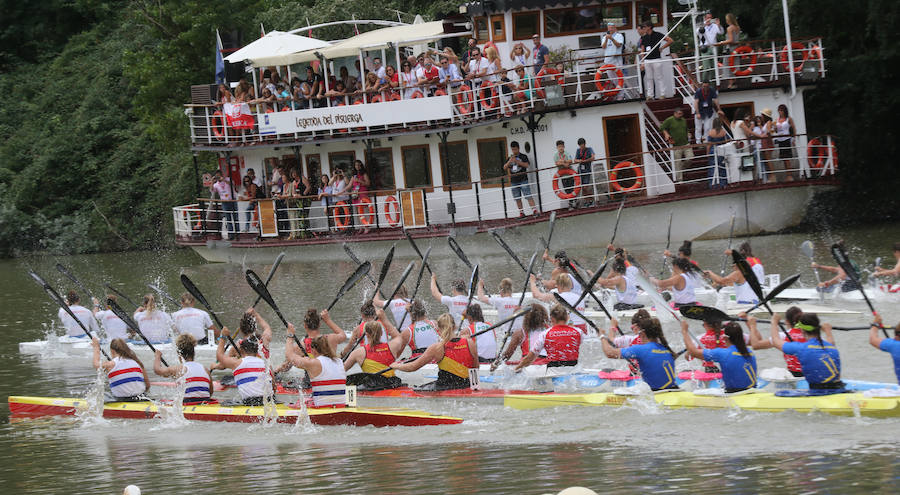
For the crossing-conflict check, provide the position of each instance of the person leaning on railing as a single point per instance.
(584, 157)
(563, 160)
(675, 132)
(784, 139)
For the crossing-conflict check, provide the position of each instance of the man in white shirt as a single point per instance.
(193, 321)
(708, 33)
(478, 68)
(378, 68)
(456, 304)
(73, 329)
(613, 42)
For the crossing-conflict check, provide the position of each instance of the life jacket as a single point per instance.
(562, 343)
(753, 261)
(196, 380)
(126, 379)
(709, 340)
(249, 376)
(457, 358)
(329, 388)
(361, 332)
(378, 357)
(793, 364)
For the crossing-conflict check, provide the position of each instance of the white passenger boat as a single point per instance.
(435, 155)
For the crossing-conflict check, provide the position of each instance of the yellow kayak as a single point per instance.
(355, 416)
(848, 404)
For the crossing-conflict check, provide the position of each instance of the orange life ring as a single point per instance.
(375, 99)
(608, 89)
(547, 71)
(795, 46)
(490, 100)
(740, 52)
(440, 92)
(270, 110)
(366, 211)
(285, 109)
(561, 192)
(417, 94)
(638, 176)
(341, 221)
(464, 100)
(218, 125)
(392, 211)
(817, 153)
(395, 96)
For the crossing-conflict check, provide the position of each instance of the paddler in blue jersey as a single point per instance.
(655, 358)
(891, 346)
(737, 362)
(818, 356)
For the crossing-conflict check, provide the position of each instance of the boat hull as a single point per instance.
(352, 416)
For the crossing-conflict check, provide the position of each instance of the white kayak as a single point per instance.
(70, 346)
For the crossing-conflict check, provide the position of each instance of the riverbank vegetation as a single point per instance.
(95, 142)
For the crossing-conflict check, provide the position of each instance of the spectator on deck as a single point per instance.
(708, 34)
(291, 194)
(651, 45)
(324, 195)
(467, 54)
(584, 157)
(392, 82)
(522, 89)
(516, 167)
(428, 75)
(784, 139)
(715, 137)
(225, 191)
(520, 54)
(300, 93)
(675, 132)
(613, 43)
(223, 95)
(540, 53)
(372, 86)
(337, 94)
(706, 108)
(448, 75)
(338, 185)
(563, 161)
(732, 32)
(408, 80)
(314, 84)
(478, 68)
(248, 194)
(450, 54)
(265, 102)
(759, 132)
(348, 80)
(495, 66)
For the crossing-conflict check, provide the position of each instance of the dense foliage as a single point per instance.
(95, 143)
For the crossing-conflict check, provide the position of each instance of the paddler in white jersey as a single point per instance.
(192, 321)
(127, 376)
(534, 323)
(626, 289)
(754, 262)
(564, 289)
(743, 293)
(397, 306)
(505, 303)
(422, 332)
(682, 283)
(83, 314)
(562, 264)
(327, 377)
(198, 387)
(153, 322)
(456, 303)
(487, 341)
(250, 374)
(114, 327)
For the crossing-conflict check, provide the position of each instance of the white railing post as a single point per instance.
(715, 51)
(829, 164)
(802, 155)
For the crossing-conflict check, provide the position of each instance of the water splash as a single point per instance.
(92, 412)
(171, 411)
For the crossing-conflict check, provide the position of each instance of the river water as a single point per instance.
(495, 450)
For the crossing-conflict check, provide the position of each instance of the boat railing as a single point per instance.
(636, 177)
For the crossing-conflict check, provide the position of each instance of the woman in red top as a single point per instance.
(454, 356)
(561, 342)
(791, 316)
(373, 357)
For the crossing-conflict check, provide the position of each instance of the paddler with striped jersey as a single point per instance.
(655, 357)
(127, 377)
(487, 341)
(737, 362)
(454, 357)
(818, 356)
(197, 381)
(327, 377)
(311, 324)
(250, 374)
(560, 342)
(564, 289)
(373, 358)
(73, 329)
(422, 332)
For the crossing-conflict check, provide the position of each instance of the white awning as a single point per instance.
(275, 48)
(371, 40)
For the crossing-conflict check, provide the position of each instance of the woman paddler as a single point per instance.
(198, 383)
(487, 341)
(534, 323)
(743, 293)
(626, 290)
(560, 342)
(628, 340)
(684, 252)
(397, 305)
(564, 289)
(327, 377)
(682, 283)
(737, 362)
(891, 346)
(370, 315)
(249, 369)
(655, 358)
(791, 316)
(454, 357)
(127, 377)
(456, 304)
(562, 265)
(311, 323)
(153, 322)
(373, 358)
(422, 332)
(819, 358)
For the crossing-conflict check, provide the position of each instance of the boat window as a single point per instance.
(481, 29)
(457, 165)
(620, 13)
(416, 166)
(380, 162)
(650, 11)
(730, 110)
(526, 24)
(313, 168)
(562, 22)
(498, 28)
(344, 160)
(492, 155)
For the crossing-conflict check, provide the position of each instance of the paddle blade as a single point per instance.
(837, 251)
(654, 295)
(748, 274)
(782, 286)
(275, 265)
(194, 291)
(704, 313)
(807, 248)
(384, 269)
(454, 246)
(360, 272)
(257, 285)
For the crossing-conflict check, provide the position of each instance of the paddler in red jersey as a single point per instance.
(368, 314)
(373, 358)
(534, 322)
(561, 342)
(712, 339)
(455, 356)
(791, 316)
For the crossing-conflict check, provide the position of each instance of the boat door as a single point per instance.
(412, 206)
(623, 145)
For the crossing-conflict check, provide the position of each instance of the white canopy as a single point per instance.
(275, 48)
(403, 35)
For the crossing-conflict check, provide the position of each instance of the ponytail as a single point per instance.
(653, 330)
(149, 304)
(446, 326)
(122, 349)
(809, 323)
(736, 336)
